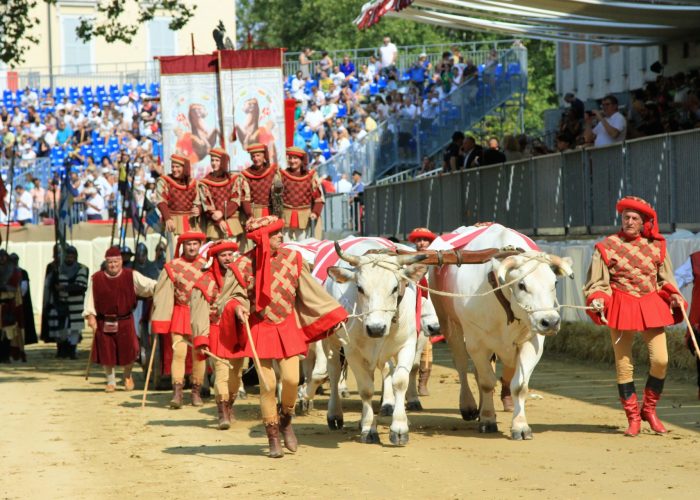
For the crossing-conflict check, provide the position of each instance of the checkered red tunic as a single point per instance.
(210, 290)
(302, 191)
(633, 265)
(260, 185)
(174, 197)
(217, 194)
(184, 274)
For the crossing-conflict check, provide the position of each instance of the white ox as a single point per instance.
(479, 325)
(376, 289)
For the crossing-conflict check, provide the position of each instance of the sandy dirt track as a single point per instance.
(63, 437)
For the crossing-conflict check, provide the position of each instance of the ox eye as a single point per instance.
(522, 286)
(360, 289)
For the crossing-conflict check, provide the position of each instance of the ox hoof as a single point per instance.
(370, 437)
(470, 414)
(386, 410)
(521, 434)
(335, 423)
(345, 394)
(414, 406)
(398, 438)
(488, 427)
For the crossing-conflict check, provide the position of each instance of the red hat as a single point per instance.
(215, 249)
(189, 236)
(421, 233)
(258, 230)
(651, 224)
(299, 153)
(181, 160)
(223, 157)
(113, 252)
(258, 148)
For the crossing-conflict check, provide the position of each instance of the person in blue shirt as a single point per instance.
(347, 67)
(420, 70)
(65, 133)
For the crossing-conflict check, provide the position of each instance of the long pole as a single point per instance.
(256, 359)
(691, 332)
(9, 201)
(154, 345)
(143, 211)
(48, 17)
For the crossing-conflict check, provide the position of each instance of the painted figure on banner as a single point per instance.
(197, 133)
(255, 126)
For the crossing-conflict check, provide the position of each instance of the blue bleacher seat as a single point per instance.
(313, 144)
(140, 88)
(154, 89)
(127, 87)
(307, 133)
(481, 69)
(373, 89)
(342, 111)
(309, 85)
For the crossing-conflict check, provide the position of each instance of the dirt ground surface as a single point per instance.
(63, 437)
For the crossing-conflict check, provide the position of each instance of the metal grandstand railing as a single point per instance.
(405, 142)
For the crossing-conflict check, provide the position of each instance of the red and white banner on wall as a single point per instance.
(229, 98)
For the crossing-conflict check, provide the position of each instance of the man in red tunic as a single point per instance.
(176, 198)
(206, 333)
(11, 311)
(688, 273)
(302, 197)
(171, 313)
(109, 302)
(257, 183)
(632, 289)
(220, 197)
(286, 308)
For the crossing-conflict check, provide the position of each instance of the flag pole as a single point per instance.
(11, 173)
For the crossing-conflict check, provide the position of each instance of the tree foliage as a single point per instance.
(112, 21)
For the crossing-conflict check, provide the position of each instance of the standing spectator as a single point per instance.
(611, 126)
(493, 154)
(347, 67)
(420, 70)
(374, 67)
(472, 152)
(343, 186)
(327, 185)
(453, 158)
(389, 55)
(23, 205)
(358, 187)
(53, 194)
(325, 65)
(38, 194)
(305, 63)
(94, 203)
(576, 105)
(511, 148)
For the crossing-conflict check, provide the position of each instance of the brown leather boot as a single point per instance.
(652, 394)
(197, 394)
(223, 411)
(290, 439)
(231, 411)
(273, 437)
(506, 397)
(423, 377)
(628, 398)
(176, 402)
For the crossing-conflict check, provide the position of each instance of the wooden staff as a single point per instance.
(208, 353)
(691, 332)
(256, 359)
(154, 344)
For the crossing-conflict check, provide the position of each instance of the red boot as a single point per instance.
(628, 398)
(652, 394)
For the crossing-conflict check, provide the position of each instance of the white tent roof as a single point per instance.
(587, 21)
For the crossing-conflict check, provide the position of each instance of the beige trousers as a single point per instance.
(177, 368)
(655, 339)
(228, 380)
(289, 374)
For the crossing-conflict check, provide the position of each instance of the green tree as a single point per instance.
(112, 23)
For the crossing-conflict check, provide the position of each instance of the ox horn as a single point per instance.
(350, 259)
(411, 258)
(507, 264)
(563, 267)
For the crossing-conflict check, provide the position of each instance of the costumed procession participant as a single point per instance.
(260, 185)
(109, 302)
(302, 197)
(127, 255)
(171, 315)
(287, 308)
(142, 313)
(220, 198)
(688, 273)
(27, 307)
(68, 287)
(631, 286)
(176, 199)
(422, 237)
(206, 333)
(50, 277)
(11, 313)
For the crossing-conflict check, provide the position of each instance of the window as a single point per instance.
(161, 40)
(77, 54)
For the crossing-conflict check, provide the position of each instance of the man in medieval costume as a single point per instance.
(260, 185)
(27, 307)
(109, 305)
(11, 312)
(220, 198)
(302, 197)
(171, 315)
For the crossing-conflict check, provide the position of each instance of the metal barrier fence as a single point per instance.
(405, 142)
(26, 169)
(573, 192)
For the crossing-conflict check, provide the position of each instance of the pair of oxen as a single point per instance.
(505, 306)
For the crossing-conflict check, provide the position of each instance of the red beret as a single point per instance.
(256, 148)
(636, 204)
(295, 151)
(179, 159)
(421, 233)
(191, 235)
(218, 152)
(222, 246)
(113, 252)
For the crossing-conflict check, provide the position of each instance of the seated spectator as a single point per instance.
(651, 120)
(325, 82)
(314, 120)
(347, 67)
(610, 127)
(94, 203)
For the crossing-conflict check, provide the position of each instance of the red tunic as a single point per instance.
(301, 192)
(222, 343)
(184, 274)
(260, 189)
(694, 315)
(178, 199)
(115, 299)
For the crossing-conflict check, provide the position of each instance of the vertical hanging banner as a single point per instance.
(252, 100)
(190, 114)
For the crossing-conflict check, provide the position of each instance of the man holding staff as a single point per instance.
(632, 289)
(280, 308)
(109, 303)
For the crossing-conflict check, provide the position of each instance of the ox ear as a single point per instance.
(341, 274)
(564, 267)
(414, 272)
